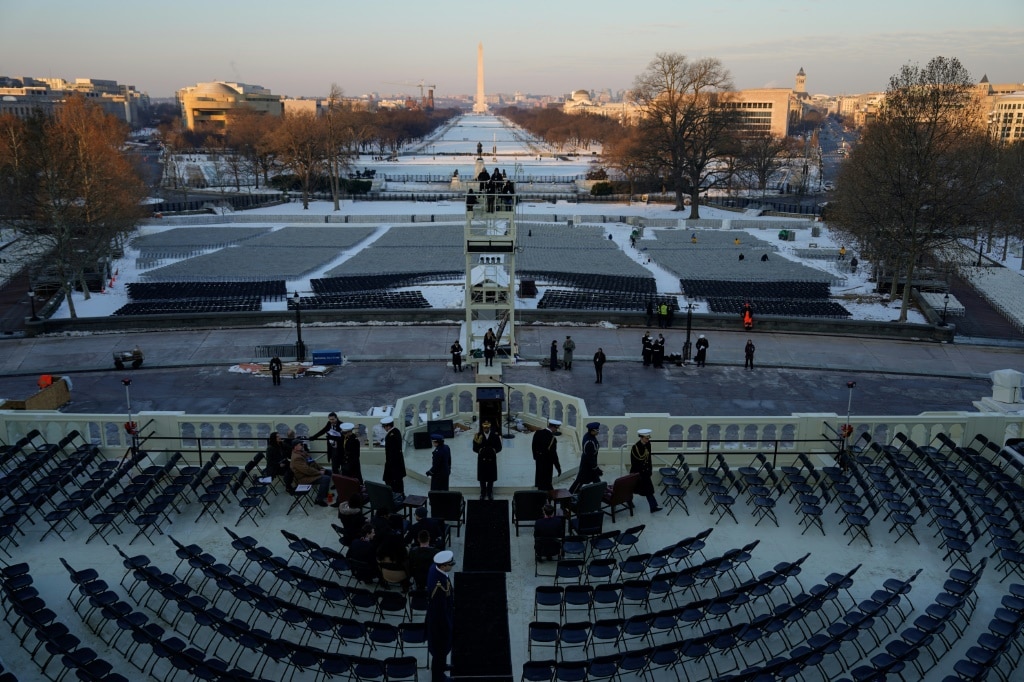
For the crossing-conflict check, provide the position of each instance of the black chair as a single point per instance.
(449, 506)
(527, 507)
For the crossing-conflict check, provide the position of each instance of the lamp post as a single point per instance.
(847, 429)
(689, 324)
(300, 348)
(32, 300)
(945, 307)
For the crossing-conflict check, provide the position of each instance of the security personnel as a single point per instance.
(589, 471)
(545, 455)
(486, 445)
(394, 459)
(640, 463)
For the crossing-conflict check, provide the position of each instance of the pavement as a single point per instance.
(190, 370)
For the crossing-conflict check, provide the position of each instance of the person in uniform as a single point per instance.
(658, 351)
(275, 369)
(440, 617)
(440, 463)
(351, 466)
(456, 351)
(589, 472)
(702, 351)
(394, 460)
(553, 362)
(640, 463)
(648, 348)
(545, 455)
(486, 445)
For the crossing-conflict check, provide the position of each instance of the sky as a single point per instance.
(300, 48)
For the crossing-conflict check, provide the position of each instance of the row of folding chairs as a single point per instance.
(37, 627)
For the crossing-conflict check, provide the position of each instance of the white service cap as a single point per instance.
(347, 426)
(643, 432)
(387, 420)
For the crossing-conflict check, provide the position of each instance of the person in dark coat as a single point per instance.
(589, 472)
(658, 351)
(275, 369)
(362, 554)
(486, 445)
(650, 312)
(748, 354)
(545, 455)
(648, 349)
(334, 436)
(421, 558)
(394, 459)
(490, 347)
(351, 518)
(456, 351)
(702, 351)
(640, 463)
(277, 456)
(554, 355)
(547, 534)
(440, 463)
(440, 617)
(351, 466)
(435, 527)
(599, 360)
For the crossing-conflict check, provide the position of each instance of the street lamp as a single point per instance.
(689, 323)
(847, 429)
(300, 348)
(945, 307)
(32, 300)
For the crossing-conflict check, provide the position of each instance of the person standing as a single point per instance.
(486, 445)
(545, 455)
(351, 465)
(334, 436)
(748, 316)
(554, 355)
(440, 618)
(658, 351)
(640, 463)
(748, 354)
(490, 347)
(599, 360)
(663, 315)
(589, 472)
(702, 351)
(440, 463)
(277, 456)
(275, 370)
(394, 459)
(456, 351)
(648, 348)
(650, 312)
(568, 346)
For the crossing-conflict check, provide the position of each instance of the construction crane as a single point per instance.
(426, 101)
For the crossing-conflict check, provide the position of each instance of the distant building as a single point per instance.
(1002, 105)
(24, 96)
(207, 105)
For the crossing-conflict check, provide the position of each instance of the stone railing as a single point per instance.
(237, 437)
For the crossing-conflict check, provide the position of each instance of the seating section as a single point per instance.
(720, 288)
(364, 299)
(364, 283)
(788, 307)
(267, 290)
(197, 305)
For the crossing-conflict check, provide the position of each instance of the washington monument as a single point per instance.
(480, 106)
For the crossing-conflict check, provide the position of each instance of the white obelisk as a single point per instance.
(480, 106)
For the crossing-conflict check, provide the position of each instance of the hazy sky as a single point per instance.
(300, 47)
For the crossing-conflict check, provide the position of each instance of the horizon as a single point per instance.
(567, 47)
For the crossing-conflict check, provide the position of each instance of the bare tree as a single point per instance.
(299, 142)
(685, 122)
(764, 155)
(79, 191)
(919, 178)
(339, 140)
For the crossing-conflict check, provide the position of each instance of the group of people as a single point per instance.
(664, 310)
(653, 350)
(568, 347)
(495, 188)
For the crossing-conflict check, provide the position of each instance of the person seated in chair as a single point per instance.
(363, 555)
(393, 559)
(306, 471)
(547, 534)
(351, 518)
(435, 527)
(421, 558)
